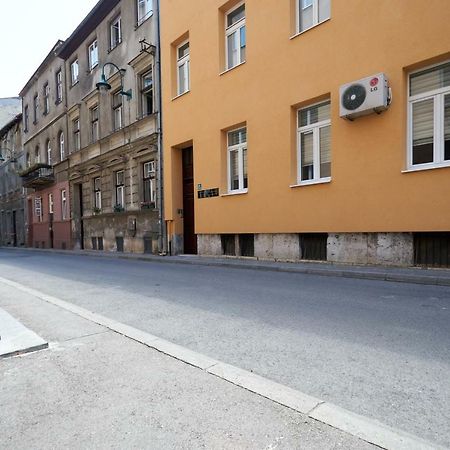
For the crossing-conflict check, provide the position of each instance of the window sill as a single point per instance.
(115, 46)
(311, 182)
(74, 84)
(232, 68)
(228, 194)
(181, 95)
(143, 20)
(422, 167)
(308, 29)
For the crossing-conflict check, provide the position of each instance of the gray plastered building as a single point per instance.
(12, 197)
(112, 136)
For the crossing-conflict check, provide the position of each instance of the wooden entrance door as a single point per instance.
(190, 239)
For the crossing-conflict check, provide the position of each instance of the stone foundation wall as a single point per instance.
(371, 248)
(395, 249)
(113, 225)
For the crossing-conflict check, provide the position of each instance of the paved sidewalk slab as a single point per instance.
(16, 339)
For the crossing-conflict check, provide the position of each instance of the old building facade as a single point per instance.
(45, 150)
(12, 197)
(259, 161)
(112, 133)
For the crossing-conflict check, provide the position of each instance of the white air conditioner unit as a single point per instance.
(365, 96)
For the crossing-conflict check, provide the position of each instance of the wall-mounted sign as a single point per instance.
(208, 193)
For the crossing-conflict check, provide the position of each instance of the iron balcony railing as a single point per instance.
(37, 176)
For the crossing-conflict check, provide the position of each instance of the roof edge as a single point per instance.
(52, 54)
(89, 24)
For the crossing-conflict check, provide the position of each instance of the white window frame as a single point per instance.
(146, 91)
(235, 28)
(184, 63)
(76, 134)
(98, 192)
(62, 150)
(94, 124)
(148, 10)
(46, 98)
(37, 155)
(74, 71)
(93, 54)
(148, 173)
(63, 205)
(438, 96)
(50, 203)
(116, 23)
(117, 111)
(120, 189)
(26, 118)
(59, 86)
(315, 129)
(49, 153)
(38, 208)
(240, 149)
(315, 22)
(35, 108)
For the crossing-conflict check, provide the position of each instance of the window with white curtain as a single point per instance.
(98, 193)
(49, 153)
(237, 161)
(120, 189)
(63, 205)
(183, 63)
(311, 13)
(314, 143)
(50, 203)
(235, 36)
(144, 10)
(429, 117)
(93, 54)
(62, 152)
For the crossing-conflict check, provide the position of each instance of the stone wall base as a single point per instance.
(396, 249)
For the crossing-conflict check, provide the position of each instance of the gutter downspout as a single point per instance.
(162, 244)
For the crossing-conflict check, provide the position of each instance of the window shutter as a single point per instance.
(423, 125)
(325, 144)
(430, 80)
(307, 148)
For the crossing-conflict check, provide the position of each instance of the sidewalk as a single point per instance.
(94, 388)
(416, 275)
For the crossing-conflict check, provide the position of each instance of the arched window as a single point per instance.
(62, 152)
(28, 160)
(49, 153)
(37, 155)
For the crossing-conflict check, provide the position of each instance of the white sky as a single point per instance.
(28, 31)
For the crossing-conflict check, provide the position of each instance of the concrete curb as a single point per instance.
(367, 429)
(328, 270)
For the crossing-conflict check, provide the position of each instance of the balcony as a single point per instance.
(37, 176)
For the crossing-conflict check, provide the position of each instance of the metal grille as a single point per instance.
(228, 244)
(94, 243)
(119, 243)
(247, 244)
(432, 249)
(313, 246)
(148, 245)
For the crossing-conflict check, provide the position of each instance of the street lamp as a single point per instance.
(103, 85)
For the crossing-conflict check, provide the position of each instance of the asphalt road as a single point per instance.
(380, 349)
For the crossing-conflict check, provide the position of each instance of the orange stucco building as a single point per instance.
(257, 158)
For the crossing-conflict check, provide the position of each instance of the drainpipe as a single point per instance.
(162, 244)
